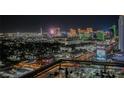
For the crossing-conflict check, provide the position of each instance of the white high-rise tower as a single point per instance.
(120, 56)
(121, 33)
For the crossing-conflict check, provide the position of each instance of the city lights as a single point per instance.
(54, 52)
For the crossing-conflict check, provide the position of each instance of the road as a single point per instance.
(54, 69)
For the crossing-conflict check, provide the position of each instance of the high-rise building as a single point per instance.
(100, 35)
(113, 31)
(121, 33)
(89, 30)
(72, 33)
(120, 56)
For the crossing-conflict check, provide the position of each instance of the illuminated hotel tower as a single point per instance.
(121, 33)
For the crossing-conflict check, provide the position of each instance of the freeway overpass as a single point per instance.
(39, 72)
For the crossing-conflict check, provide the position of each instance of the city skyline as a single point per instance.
(77, 53)
(33, 23)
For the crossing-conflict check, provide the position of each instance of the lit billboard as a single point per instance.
(101, 53)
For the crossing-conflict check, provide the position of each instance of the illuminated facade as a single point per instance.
(89, 30)
(85, 34)
(100, 35)
(72, 33)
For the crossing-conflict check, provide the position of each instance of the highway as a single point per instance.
(54, 69)
(43, 72)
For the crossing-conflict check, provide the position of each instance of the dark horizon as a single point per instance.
(33, 23)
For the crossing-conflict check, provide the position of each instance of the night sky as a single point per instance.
(33, 23)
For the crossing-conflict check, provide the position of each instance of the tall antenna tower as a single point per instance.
(41, 32)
